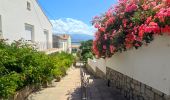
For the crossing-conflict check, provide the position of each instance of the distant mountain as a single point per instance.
(81, 37)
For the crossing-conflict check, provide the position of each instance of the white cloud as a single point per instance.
(71, 26)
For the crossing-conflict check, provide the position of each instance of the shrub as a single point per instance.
(22, 65)
(62, 61)
(9, 84)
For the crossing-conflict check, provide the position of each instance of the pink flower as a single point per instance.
(105, 36)
(153, 4)
(153, 27)
(159, 6)
(110, 21)
(131, 7)
(112, 49)
(102, 29)
(97, 25)
(141, 31)
(166, 29)
(124, 21)
(95, 49)
(145, 7)
(167, 2)
(104, 47)
(148, 20)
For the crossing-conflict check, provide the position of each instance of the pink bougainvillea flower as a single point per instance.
(167, 2)
(153, 27)
(112, 49)
(148, 20)
(104, 47)
(121, 22)
(131, 7)
(145, 7)
(105, 36)
(95, 49)
(97, 25)
(137, 44)
(141, 31)
(153, 24)
(108, 14)
(110, 21)
(166, 29)
(124, 21)
(159, 6)
(152, 4)
(102, 29)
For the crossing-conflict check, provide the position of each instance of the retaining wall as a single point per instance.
(148, 67)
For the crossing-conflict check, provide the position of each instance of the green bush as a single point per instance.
(62, 61)
(22, 65)
(9, 84)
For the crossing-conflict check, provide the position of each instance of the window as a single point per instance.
(29, 32)
(0, 24)
(28, 6)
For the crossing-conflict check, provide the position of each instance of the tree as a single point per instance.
(86, 50)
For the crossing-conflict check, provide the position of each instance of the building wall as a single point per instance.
(15, 15)
(69, 45)
(149, 65)
(56, 43)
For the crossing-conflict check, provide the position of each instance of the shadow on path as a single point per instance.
(97, 89)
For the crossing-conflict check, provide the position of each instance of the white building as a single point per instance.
(25, 19)
(62, 41)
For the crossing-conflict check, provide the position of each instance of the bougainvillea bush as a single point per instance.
(130, 24)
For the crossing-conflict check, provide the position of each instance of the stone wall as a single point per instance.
(100, 74)
(97, 72)
(89, 69)
(133, 89)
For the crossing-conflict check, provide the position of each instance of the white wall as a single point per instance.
(14, 15)
(100, 63)
(149, 64)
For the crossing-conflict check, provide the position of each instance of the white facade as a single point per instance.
(66, 45)
(62, 41)
(25, 19)
(149, 64)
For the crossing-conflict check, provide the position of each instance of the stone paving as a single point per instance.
(69, 88)
(98, 90)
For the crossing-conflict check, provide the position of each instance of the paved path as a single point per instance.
(98, 90)
(69, 89)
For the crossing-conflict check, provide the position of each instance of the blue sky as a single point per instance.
(74, 16)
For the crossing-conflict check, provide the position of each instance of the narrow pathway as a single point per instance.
(97, 89)
(69, 88)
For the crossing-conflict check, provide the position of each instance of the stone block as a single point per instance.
(142, 88)
(148, 87)
(132, 86)
(166, 97)
(158, 97)
(149, 93)
(157, 92)
(137, 88)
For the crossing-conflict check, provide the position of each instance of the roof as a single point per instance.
(63, 36)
